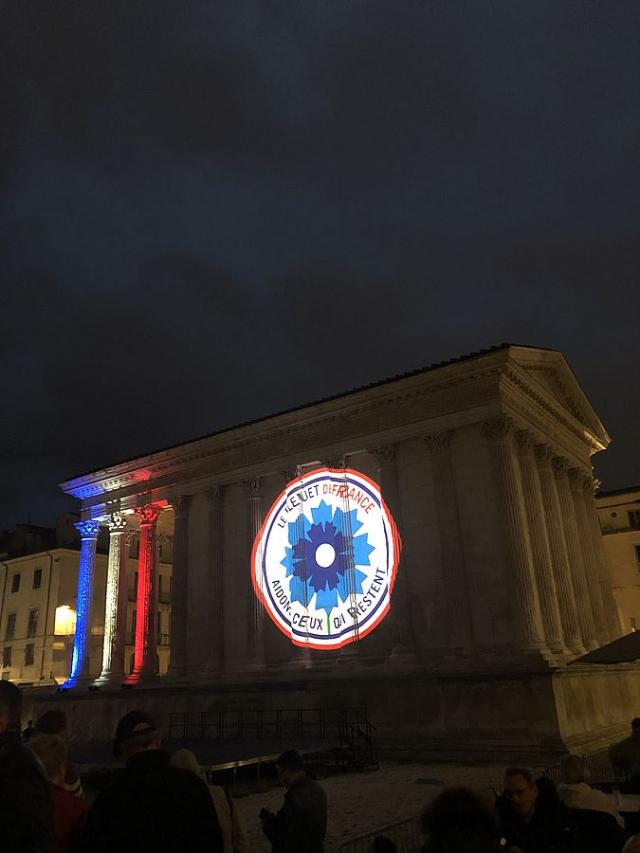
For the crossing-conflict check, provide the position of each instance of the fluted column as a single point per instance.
(80, 656)
(179, 587)
(604, 575)
(450, 534)
(256, 612)
(499, 432)
(400, 613)
(215, 553)
(115, 613)
(145, 651)
(580, 480)
(540, 547)
(558, 551)
(574, 555)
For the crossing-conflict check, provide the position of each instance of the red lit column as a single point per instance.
(145, 652)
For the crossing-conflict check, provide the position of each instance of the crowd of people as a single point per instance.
(161, 802)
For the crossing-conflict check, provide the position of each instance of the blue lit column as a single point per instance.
(80, 658)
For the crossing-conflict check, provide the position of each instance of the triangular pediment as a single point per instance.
(550, 370)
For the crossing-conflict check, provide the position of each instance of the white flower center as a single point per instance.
(325, 555)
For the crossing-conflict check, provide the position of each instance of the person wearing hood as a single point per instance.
(577, 794)
(233, 833)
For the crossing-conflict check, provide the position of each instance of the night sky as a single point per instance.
(212, 211)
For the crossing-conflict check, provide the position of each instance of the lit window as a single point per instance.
(37, 578)
(65, 620)
(15, 583)
(28, 655)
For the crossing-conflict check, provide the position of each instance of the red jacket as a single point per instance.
(68, 818)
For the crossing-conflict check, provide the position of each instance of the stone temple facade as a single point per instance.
(485, 465)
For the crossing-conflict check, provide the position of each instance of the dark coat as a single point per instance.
(301, 824)
(26, 810)
(553, 829)
(152, 806)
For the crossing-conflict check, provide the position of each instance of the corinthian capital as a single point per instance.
(439, 440)
(214, 495)
(526, 441)
(180, 504)
(384, 453)
(148, 514)
(88, 529)
(498, 428)
(560, 465)
(544, 454)
(579, 479)
(252, 488)
(117, 522)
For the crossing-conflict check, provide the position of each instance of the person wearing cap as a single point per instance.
(301, 824)
(26, 808)
(150, 805)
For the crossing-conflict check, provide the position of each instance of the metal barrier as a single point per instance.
(405, 834)
(348, 724)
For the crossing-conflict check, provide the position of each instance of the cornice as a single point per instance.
(368, 406)
(425, 400)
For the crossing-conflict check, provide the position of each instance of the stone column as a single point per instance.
(526, 617)
(604, 576)
(400, 612)
(215, 553)
(558, 551)
(81, 642)
(145, 651)
(574, 555)
(450, 535)
(179, 586)
(580, 480)
(540, 548)
(115, 614)
(256, 611)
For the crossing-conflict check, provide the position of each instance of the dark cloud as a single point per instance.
(214, 211)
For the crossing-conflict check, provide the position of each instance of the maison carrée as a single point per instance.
(427, 548)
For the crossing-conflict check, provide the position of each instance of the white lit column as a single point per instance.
(450, 535)
(179, 582)
(526, 620)
(115, 613)
(80, 656)
(574, 555)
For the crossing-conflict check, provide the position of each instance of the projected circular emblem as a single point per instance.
(325, 559)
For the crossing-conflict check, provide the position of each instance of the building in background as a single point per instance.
(38, 604)
(619, 513)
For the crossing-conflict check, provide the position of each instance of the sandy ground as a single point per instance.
(362, 802)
